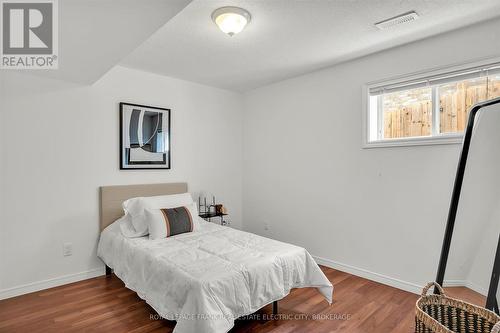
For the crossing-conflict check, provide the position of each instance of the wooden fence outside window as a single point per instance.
(409, 113)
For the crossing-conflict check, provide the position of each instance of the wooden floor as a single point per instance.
(105, 305)
(466, 294)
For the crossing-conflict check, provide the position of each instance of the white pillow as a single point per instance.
(136, 207)
(157, 223)
(128, 229)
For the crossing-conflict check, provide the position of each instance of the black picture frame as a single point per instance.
(166, 163)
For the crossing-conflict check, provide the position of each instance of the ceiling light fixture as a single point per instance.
(231, 20)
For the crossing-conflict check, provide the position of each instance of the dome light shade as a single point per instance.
(231, 20)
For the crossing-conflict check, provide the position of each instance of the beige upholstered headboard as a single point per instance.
(112, 197)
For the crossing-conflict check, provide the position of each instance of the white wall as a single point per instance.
(379, 212)
(60, 142)
(479, 275)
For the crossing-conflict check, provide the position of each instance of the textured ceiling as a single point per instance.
(290, 37)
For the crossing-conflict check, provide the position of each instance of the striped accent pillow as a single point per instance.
(166, 222)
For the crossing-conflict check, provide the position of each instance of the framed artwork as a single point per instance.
(144, 137)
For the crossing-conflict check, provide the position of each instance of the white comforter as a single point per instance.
(207, 278)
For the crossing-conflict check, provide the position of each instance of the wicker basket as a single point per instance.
(442, 314)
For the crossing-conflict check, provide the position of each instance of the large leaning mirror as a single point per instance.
(475, 237)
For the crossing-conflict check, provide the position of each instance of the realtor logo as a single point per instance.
(29, 34)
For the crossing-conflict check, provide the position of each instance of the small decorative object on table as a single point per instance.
(209, 211)
(442, 314)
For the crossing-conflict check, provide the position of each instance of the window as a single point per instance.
(430, 108)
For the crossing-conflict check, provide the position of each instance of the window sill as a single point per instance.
(423, 141)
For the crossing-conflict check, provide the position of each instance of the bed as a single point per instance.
(207, 278)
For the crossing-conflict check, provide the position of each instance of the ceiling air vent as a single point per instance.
(397, 20)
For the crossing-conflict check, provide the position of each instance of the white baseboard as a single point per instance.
(477, 288)
(454, 283)
(467, 284)
(380, 278)
(50, 283)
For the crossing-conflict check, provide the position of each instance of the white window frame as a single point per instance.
(435, 138)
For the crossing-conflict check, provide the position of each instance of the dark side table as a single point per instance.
(209, 216)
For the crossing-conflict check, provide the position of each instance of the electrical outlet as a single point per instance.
(67, 249)
(266, 226)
